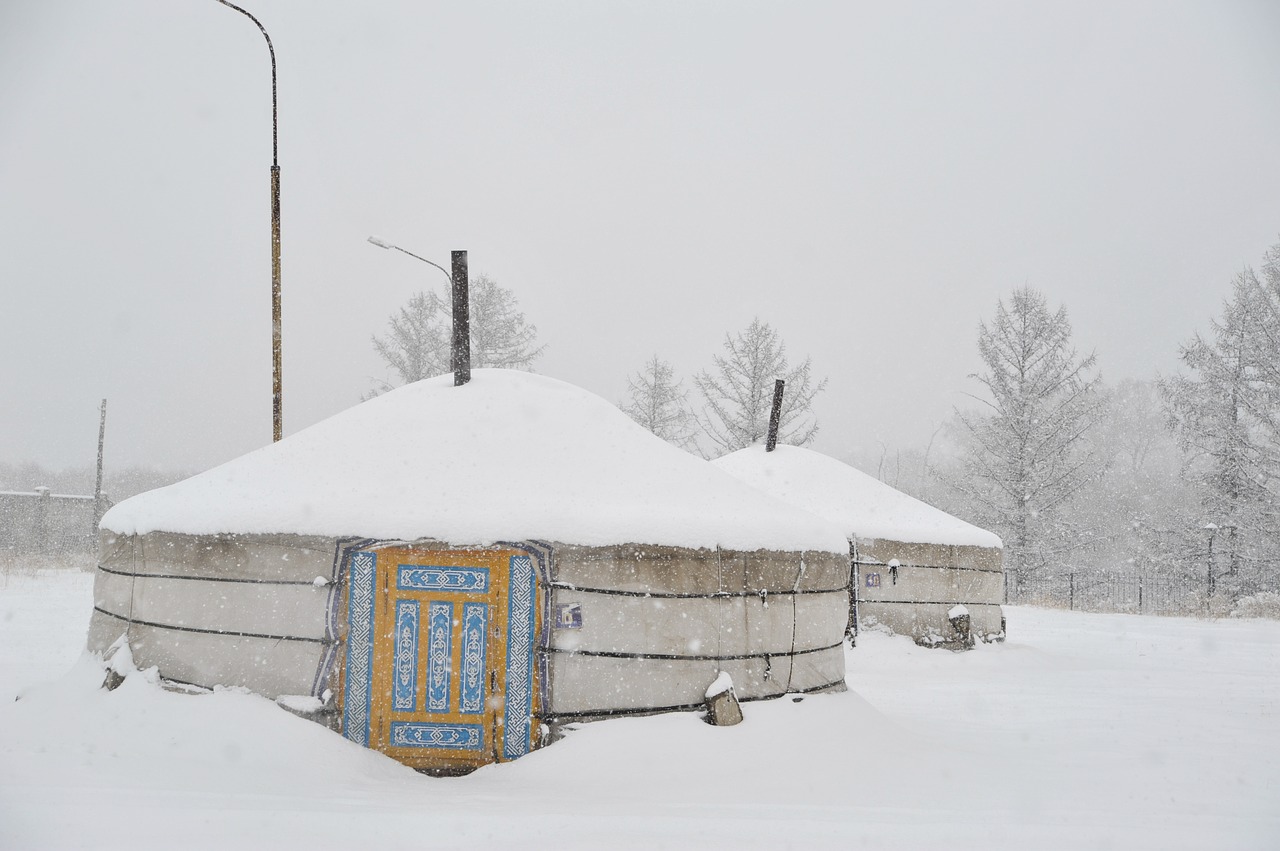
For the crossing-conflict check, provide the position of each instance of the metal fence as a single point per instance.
(1135, 593)
(42, 523)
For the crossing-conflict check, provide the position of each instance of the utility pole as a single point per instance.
(97, 486)
(277, 382)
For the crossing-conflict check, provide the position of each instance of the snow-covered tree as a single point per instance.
(659, 402)
(417, 342)
(1030, 451)
(419, 337)
(739, 391)
(500, 336)
(1226, 413)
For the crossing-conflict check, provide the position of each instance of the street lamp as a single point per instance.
(1213, 529)
(382, 243)
(460, 353)
(277, 388)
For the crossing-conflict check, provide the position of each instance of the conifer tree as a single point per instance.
(1226, 413)
(739, 391)
(418, 339)
(659, 402)
(1030, 451)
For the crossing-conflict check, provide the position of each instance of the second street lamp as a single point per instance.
(382, 243)
(460, 353)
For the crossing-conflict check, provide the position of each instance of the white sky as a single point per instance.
(646, 176)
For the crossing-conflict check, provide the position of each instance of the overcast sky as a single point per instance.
(646, 177)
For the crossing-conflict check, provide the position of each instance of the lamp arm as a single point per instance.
(275, 159)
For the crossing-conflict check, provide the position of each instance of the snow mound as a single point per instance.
(1264, 604)
(863, 506)
(723, 682)
(509, 456)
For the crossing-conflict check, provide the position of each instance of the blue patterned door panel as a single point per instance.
(448, 736)
(404, 687)
(519, 703)
(357, 695)
(440, 656)
(413, 577)
(475, 631)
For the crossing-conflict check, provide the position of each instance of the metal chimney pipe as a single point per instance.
(461, 359)
(776, 416)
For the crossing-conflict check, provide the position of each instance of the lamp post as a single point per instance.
(1212, 529)
(460, 352)
(277, 386)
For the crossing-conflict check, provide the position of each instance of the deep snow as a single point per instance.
(1083, 731)
(861, 505)
(509, 456)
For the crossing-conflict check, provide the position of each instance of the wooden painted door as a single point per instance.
(441, 676)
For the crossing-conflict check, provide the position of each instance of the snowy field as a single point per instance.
(1083, 731)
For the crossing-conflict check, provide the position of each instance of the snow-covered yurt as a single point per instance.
(447, 574)
(917, 570)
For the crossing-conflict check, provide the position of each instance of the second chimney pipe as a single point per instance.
(776, 416)
(461, 355)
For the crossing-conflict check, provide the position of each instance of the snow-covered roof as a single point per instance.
(509, 456)
(863, 506)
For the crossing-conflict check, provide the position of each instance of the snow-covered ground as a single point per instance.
(1083, 731)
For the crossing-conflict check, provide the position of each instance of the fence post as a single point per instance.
(1208, 595)
(1071, 579)
(42, 520)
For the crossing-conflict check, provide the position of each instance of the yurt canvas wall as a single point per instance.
(233, 610)
(445, 570)
(918, 570)
(657, 624)
(913, 589)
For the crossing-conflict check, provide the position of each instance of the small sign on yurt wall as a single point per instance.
(569, 616)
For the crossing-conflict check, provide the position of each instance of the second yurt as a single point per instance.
(918, 570)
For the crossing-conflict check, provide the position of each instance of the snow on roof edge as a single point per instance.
(863, 506)
(509, 456)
